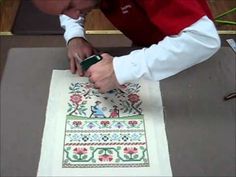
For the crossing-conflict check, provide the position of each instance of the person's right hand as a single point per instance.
(78, 50)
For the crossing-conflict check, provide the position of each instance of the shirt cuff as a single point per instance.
(129, 68)
(73, 27)
(73, 33)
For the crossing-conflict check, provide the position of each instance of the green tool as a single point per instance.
(85, 64)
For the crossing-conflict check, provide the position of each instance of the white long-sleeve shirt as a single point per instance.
(170, 56)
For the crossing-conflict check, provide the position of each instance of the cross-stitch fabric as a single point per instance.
(119, 133)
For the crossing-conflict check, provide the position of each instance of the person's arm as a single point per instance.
(172, 55)
(78, 47)
(73, 28)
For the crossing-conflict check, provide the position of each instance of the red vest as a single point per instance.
(147, 22)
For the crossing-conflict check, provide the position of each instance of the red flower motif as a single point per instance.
(105, 158)
(134, 98)
(76, 98)
(80, 151)
(77, 123)
(131, 150)
(133, 122)
(105, 123)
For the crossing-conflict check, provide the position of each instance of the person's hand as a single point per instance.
(102, 74)
(78, 50)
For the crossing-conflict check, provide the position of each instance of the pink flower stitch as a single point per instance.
(131, 150)
(105, 123)
(133, 122)
(76, 98)
(80, 151)
(133, 98)
(105, 158)
(77, 123)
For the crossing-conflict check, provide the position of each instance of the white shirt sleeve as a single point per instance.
(173, 54)
(73, 28)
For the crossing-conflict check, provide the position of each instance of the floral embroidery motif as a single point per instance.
(76, 98)
(104, 130)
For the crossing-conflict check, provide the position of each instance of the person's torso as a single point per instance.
(130, 17)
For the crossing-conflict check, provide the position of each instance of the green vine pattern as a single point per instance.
(107, 154)
(104, 130)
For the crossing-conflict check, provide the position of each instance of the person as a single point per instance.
(114, 112)
(174, 34)
(96, 110)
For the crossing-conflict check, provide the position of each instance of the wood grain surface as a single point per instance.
(8, 10)
(220, 6)
(97, 21)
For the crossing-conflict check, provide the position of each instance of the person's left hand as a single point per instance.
(102, 74)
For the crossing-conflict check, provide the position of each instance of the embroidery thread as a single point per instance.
(104, 130)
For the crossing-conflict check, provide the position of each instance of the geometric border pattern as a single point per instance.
(122, 152)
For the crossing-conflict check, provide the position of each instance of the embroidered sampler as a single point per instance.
(110, 133)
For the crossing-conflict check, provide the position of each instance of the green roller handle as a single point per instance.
(85, 64)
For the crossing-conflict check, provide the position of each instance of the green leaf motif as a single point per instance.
(117, 160)
(109, 151)
(84, 157)
(142, 148)
(130, 110)
(66, 161)
(68, 148)
(93, 160)
(83, 113)
(135, 156)
(118, 148)
(145, 160)
(69, 110)
(126, 106)
(75, 157)
(127, 103)
(85, 109)
(138, 105)
(91, 148)
(100, 151)
(126, 156)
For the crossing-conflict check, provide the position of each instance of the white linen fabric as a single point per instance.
(147, 98)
